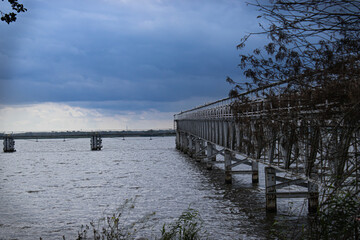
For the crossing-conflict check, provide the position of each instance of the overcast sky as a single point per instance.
(117, 64)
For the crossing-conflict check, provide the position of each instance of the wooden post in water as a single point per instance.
(270, 182)
(228, 175)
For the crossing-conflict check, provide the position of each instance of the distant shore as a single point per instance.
(86, 134)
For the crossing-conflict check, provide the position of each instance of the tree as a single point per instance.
(11, 16)
(312, 43)
(312, 58)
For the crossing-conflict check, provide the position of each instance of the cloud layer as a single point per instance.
(96, 52)
(63, 117)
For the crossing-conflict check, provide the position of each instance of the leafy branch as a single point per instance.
(9, 17)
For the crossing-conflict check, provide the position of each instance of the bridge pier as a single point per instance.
(96, 142)
(177, 140)
(191, 146)
(313, 198)
(270, 182)
(198, 150)
(210, 155)
(184, 142)
(181, 141)
(9, 144)
(228, 174)
(255, 172)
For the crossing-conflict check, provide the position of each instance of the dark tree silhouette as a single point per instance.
(9, 17)
(311, 43)
(311, 64)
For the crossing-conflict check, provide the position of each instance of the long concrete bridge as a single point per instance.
(95, 136)
(298, 150)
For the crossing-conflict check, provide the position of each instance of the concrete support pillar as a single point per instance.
(218, 133)
(212, 150)
(181, 141)
(237, 137)
(185, 143)
(270, 182)
(210, 157)
(313, 199)
(213, 132)
(197, 150)
(177, 140)
(202, 148)
(96, 142)
(9, 144)
(272, 145)
(228, 175)
(232, 135)
(225, 134)
(255, 172)
(191, 147)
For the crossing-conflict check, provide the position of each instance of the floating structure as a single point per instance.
(96, 142)
(9, 144)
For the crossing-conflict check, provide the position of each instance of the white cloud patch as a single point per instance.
(63, 117)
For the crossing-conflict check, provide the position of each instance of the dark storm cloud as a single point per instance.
(154, 52)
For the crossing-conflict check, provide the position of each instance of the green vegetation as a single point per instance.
(16, 8)
(338, 218)
(187, 227)
(118, 227)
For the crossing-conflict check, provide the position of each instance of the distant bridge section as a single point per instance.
(95, 136)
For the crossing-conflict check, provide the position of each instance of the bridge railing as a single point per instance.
(226, 109)
(218, 109)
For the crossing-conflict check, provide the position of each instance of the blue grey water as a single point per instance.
(50, 188)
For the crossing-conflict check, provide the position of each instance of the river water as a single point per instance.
(50, 188)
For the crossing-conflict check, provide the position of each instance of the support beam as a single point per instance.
(270, 182)
(9, 144)
(228, 175)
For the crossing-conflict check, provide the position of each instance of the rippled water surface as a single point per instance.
(50, 188)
